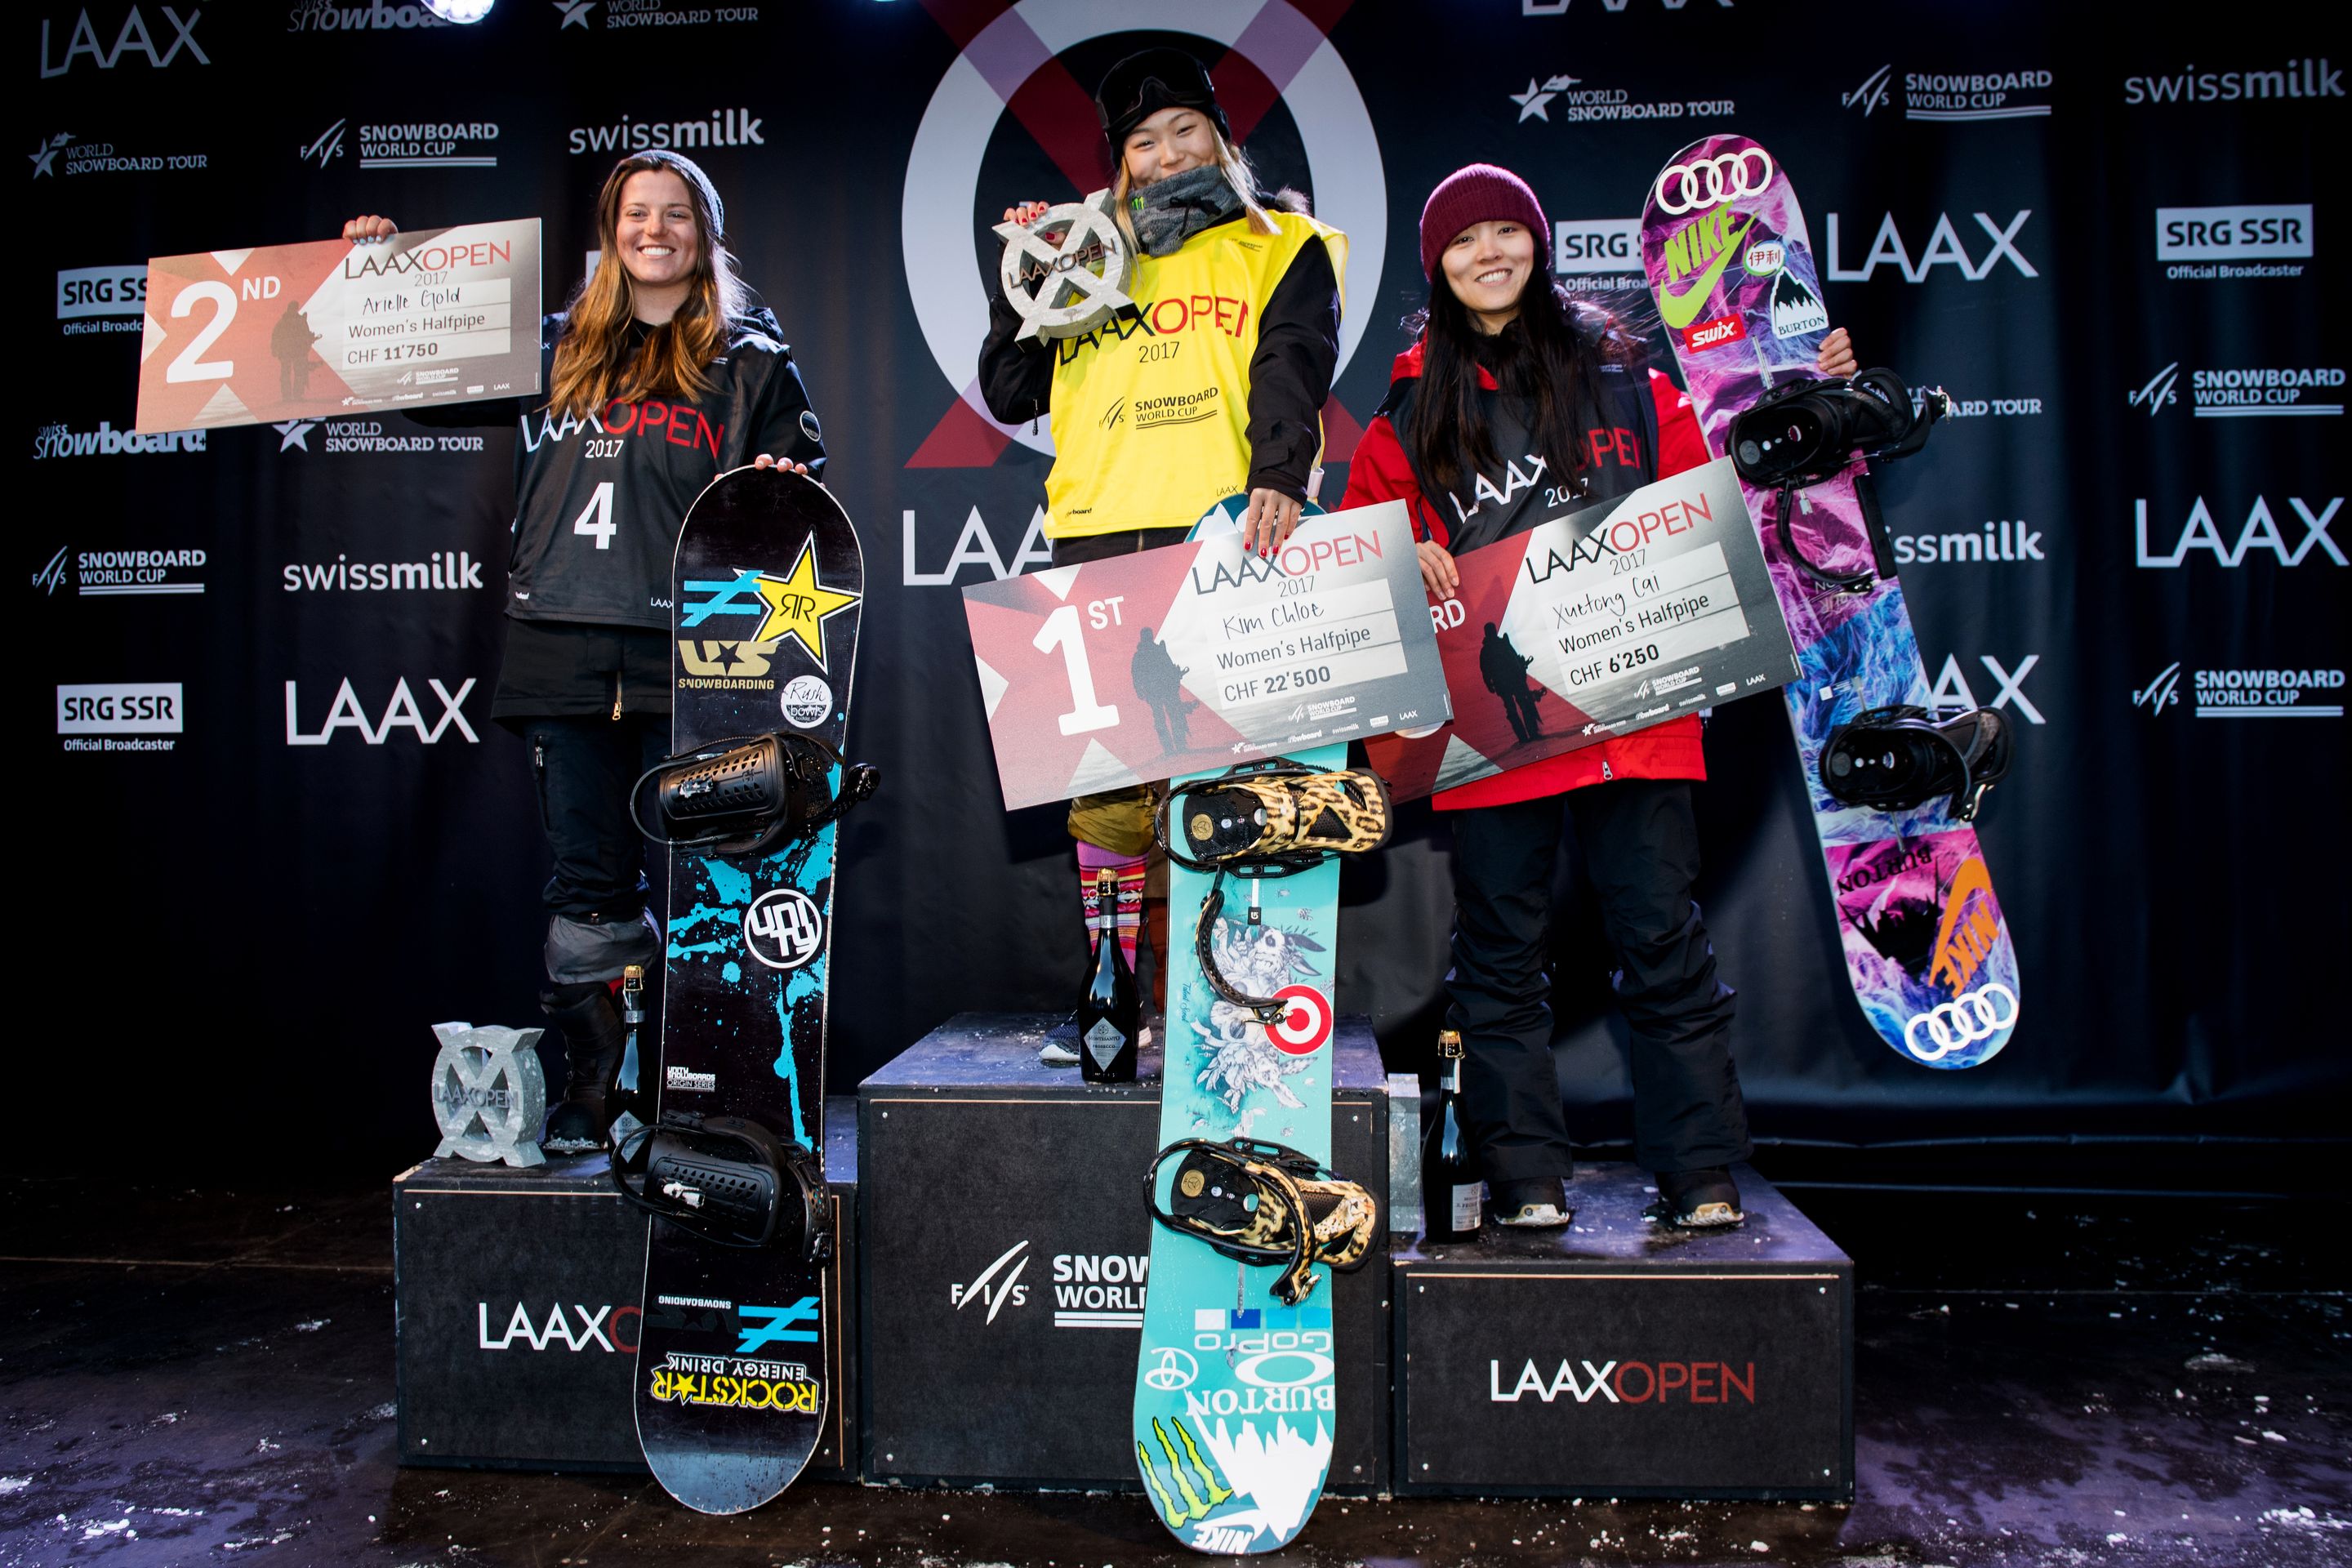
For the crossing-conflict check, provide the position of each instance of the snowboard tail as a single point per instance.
(731, 1362)
(1926, 944)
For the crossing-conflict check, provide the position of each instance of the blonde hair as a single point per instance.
(1231, 162)
(593, 365)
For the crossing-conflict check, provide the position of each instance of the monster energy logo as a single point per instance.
(1194, 1507)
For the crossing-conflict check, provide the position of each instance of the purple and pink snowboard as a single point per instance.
(1725, 250)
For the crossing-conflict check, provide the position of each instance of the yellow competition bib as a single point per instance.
(1151, 412)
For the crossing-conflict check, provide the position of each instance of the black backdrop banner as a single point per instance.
(238, 932)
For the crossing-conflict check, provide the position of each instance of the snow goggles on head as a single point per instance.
(739, 795)
(1265, 1204)
(1142, 85)
(1804, 432)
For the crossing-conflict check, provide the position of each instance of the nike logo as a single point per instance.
(1679, 311)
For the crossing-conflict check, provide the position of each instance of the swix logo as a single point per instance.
(1953, 691)
(1714, 334)
(2199, 531)
(600, 1327)
(135, 37)
(2161, 693)
(975, 546)
(988, 1287)
(1629, 1383)
(2158, 392)
(724, 128)
(1944, 249)
(399, 712)
(327, 147)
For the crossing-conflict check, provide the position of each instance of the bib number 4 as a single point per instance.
(595, 519)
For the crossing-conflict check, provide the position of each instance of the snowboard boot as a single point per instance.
(593, 1042)
(1539, 1203)
(1696, 1200)
(1274, 812)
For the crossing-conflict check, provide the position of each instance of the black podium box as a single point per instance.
(1004, 1272)
(516, 1298)
(1621, 1359)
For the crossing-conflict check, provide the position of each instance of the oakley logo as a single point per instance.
(1979, 1016)
(1712, 182)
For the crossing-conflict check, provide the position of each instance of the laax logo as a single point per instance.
(1936, 96)
(327, 147)
(1953, 691)
(600, 1327)
(724, 128)
(986, 1287)
(1944, 249)
(2199, 531)
(1614, 1383)
(2004, 539)
(2245, 392)
(134, 39)
(399, 712)
(782, 929)
(796, 605)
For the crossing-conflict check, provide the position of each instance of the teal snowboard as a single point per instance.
(1235, 1391)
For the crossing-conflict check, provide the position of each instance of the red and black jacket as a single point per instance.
(1626, 444)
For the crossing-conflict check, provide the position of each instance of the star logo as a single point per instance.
(798, 604)
(1532, 103)
(575, 12)
(45, 157)
(295, 433)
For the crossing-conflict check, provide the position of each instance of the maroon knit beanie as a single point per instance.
(1477, 194)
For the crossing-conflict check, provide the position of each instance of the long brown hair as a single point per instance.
(593, 365)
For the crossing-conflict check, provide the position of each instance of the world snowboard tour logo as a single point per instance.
(796, 605)
(1579, 104)
(782, 929)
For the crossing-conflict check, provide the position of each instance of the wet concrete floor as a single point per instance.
(207, 1377)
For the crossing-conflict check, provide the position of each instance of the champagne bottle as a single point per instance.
(1449, 1167)
(1110, 1018)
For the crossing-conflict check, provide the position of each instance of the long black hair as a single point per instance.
(1549, 356)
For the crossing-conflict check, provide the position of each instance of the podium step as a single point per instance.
(1619, 1357)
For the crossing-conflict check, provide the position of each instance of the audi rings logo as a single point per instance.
(1711, 181)
(1979, 1016)
(1175, 1371)
(782, 929)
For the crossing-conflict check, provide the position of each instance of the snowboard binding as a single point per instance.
(1802, 432)
(739, 795)
(728, 1180)
(1265, 1204)
(1269, 818)
(1899, 757)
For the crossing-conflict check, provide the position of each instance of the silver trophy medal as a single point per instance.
(490, 1095)
(1067, 272)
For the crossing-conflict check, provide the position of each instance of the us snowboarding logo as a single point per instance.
(796, 605)
(782, 929)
